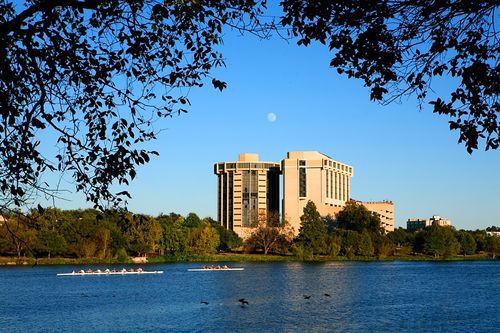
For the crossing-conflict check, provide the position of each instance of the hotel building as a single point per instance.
(248, 189)
(313, 176)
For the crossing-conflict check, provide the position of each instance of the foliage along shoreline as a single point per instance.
(54, 236)
(27, 261)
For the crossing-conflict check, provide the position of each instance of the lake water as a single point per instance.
(364, 297)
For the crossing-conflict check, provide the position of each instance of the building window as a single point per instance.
(332, 184)
(327, 183)
(302, 163)
(336, 186)
(302, 182)
(343, 187)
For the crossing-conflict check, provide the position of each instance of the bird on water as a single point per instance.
(243, 301)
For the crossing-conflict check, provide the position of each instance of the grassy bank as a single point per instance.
(224, 257)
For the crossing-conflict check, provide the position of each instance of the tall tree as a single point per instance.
(467, 243)
(401, 237)
(350, 242)
(312, 233)
(382, 245)
(452, 246)
(434, 241)
(203, 240)
(192, 221)
(270, 234)
(143, 233)
(228, 238)
(493, 245)
(400, 47)
(18, 236)
(50, 242)
(174, 241)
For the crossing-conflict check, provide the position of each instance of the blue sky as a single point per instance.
(398, 152)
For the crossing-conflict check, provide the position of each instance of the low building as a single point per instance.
(385, 210)
(439, 221)
(413, 224)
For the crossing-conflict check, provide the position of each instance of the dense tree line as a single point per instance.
(115, 234)
(353, 232)
(356, 232)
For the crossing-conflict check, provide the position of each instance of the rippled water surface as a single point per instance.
(364, 297)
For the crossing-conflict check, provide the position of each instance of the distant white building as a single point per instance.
(413, 224)
(439, 221)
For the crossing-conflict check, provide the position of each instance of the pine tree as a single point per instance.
(312, 233)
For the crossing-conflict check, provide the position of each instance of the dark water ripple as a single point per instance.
(364, 297)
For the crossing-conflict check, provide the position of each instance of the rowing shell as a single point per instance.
(214, 269)
(109, 273)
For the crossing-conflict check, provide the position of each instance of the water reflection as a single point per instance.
(364, 297)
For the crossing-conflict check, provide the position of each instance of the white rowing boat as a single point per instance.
(215, 269)
(109, 273)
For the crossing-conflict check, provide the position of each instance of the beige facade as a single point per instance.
(247, 190)
(313, 176)
(439, 221)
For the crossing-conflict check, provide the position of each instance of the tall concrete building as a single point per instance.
(310, 175)
(247, 190)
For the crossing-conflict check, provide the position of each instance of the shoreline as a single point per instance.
(226, 257)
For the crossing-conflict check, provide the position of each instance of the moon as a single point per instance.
(271, 116)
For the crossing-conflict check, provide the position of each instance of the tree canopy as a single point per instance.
(402, 47)
(99, 74)
(357, 217)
